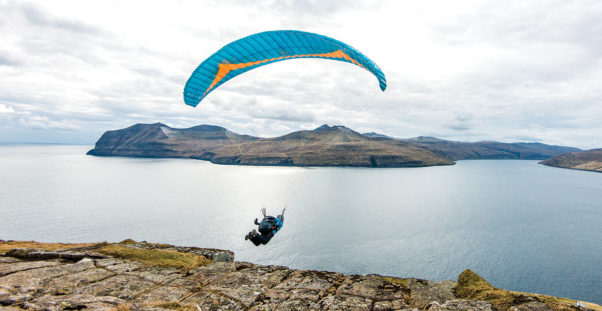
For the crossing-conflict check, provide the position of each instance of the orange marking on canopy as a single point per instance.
(224, 69)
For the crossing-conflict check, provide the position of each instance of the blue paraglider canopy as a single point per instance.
(268, 47)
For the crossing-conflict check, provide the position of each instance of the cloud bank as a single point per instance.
(467, 70)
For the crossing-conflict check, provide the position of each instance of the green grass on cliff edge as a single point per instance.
(474, 287)
(155, 257)
(8, 245)
(470, 285)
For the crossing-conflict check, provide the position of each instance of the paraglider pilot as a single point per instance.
(267, 228)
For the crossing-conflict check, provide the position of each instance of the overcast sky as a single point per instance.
(460, 70)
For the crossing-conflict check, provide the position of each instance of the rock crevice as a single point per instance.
(38, 280)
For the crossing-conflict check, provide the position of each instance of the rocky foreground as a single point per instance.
(105, 277)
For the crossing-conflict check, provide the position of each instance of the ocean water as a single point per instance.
(520, 225)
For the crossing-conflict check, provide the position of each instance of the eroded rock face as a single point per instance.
(425, 292)
(467, 305)
(70, 280)
(58, 282)
(531, 306)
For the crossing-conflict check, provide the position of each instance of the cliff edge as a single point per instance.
(143, 276)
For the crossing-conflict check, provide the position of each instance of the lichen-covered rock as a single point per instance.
(15, 266)
(345, 302)
(461, 305)
(212, 301)
(68, 283)
(73, 302)
(531, 306)
(372, 287)
(34, 279)
(425, 292)
(391, 305)
(168, 294)
(122, 286)
(94, 283)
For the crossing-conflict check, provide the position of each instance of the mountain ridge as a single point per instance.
(323, 146)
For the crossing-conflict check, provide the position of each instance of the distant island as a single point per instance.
(589, 160)
(323, 146)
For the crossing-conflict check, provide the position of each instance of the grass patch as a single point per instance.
(132, 242)
(473, 286)
(129, 242)
(403, 282)
(156, 257)
(5, 246)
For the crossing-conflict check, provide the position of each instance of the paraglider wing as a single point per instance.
(268, 47)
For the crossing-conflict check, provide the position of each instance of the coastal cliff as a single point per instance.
(457, 150)
(589, 160)
(144, 276)
(323, 146)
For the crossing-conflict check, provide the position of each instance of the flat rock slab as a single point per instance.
(41, 254)
(13, 266)
(424, 292)
(467, 305)
(107, 283)
(73, 302)
(34, 279)
(125, 287)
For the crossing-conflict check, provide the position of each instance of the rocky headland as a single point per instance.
(458, 150)
(323, 146)
(143, 276)
(589, 160)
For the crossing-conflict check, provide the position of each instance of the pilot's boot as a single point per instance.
(250, 234)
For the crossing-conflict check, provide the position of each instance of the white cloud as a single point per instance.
(463, 70)
(44, 123)
(6, 109)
